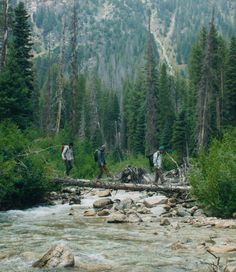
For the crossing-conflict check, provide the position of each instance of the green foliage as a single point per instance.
(213, 176)
(23, 180)
(137, 161)
(167, 163)
(16, 81)
(230, 96)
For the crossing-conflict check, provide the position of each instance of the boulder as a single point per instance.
(104, 193)
(125, 204)
(102, 203)
(153, 201)
(104, 212)
(158, 211)
(89, 213)
(193, 210)
(74, 200)
(222, 249)
(182, 212)
(234, 215)
(164, 222)
(117, 218)
(143, 210)
(57, 256)
(199, 212)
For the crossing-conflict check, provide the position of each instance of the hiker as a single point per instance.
(100, 154)
(157, 163)
(68, 158)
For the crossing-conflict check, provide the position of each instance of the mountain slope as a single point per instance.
(112, 34)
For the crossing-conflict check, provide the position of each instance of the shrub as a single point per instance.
(23, 180)
(213, 176)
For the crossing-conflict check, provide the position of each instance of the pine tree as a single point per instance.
(208, 91)
(165, 108)
(230, 92)
(16, 81)
(179, 138)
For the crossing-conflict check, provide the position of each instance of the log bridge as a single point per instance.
(165, 189)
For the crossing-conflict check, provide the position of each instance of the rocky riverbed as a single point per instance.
(106, 230)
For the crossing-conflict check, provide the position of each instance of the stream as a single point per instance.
(26, 235)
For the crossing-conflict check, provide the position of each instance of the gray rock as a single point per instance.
(182, 212)
(57, 256)
(101, 203)
(117, 218)
(193, 210)
(89, 213)
(104, 193)
(104, 212)
(153, 201)
(157, 211)
(199, 212)
(74, 200)
(164, 222)
(125, 204)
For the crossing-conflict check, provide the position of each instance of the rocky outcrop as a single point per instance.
(58, 256)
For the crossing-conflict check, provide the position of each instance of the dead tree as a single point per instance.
(4, 31)
(74, 68)
(60, 80)
(180, 190)
(151, 88)
(48, 119)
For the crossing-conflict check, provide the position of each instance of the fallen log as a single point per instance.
(122, 186)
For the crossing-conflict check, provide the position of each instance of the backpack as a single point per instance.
(62, 148)
(95, 155)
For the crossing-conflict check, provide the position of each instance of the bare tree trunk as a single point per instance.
(121, 186)
(4, 32)
(74, 65)
(49, 93)
(151, 86)
(61, 80)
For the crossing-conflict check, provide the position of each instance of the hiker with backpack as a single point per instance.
(68, 157)
(99, 157)
(155, 160)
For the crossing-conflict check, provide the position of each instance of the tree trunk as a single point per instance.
(4, 30)
(61, 80)
(121, 186)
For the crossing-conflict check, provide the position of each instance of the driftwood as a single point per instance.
(122, 186)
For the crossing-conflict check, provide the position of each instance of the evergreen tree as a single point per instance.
(165, 108)
(16, 81)
(230, 92)
(208, 91)
(179, 138)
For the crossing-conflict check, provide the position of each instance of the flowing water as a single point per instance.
(99, 246)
